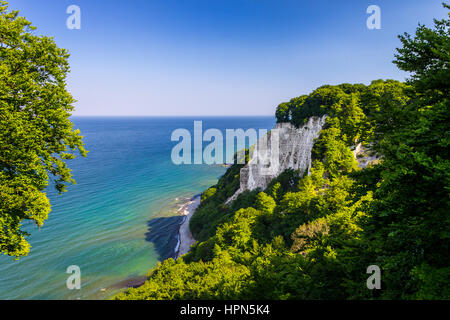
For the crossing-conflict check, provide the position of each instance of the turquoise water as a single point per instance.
(120, 218)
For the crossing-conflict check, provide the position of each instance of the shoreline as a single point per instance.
(185, 238)
(183, 246)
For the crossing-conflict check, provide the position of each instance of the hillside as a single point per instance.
(311, 233)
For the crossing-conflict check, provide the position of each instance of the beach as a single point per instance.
(185, 238)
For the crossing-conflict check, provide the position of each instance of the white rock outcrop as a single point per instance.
(364, 156)
(284, 147)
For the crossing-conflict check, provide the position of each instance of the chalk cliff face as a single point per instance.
(284, 147)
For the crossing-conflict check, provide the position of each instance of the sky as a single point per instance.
(220, 57)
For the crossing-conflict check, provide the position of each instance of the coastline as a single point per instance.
(185, 238)
(183, 246)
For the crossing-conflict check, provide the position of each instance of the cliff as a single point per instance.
(284, 147)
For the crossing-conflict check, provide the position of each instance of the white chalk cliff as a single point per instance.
(284, 147)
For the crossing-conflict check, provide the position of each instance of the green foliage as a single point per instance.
(283, 112)
(313, 237)
(36, 135)
(208, 193)
(427, 57)
(340, 102)
(410, 227)
(285, 182)
(331, 149)
(265, 203)
(219, 279)
(212, 211)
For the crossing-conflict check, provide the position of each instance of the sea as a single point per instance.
(122, 216)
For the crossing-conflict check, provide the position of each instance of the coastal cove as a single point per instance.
(124, 213)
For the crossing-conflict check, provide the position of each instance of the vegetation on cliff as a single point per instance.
(314, 236)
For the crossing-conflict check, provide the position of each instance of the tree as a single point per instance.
(282, 113)
(265, 202)
(208, 193)
(409, 230)
(427, 57)
(36, 135)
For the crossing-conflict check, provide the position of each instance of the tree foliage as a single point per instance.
(36, 135)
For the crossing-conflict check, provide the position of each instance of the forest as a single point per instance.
(314, 236)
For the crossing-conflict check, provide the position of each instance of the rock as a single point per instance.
(364, 156)
(284, 147)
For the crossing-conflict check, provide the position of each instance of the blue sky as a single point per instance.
(220, 57)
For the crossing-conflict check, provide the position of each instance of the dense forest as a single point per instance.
(314, 236)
